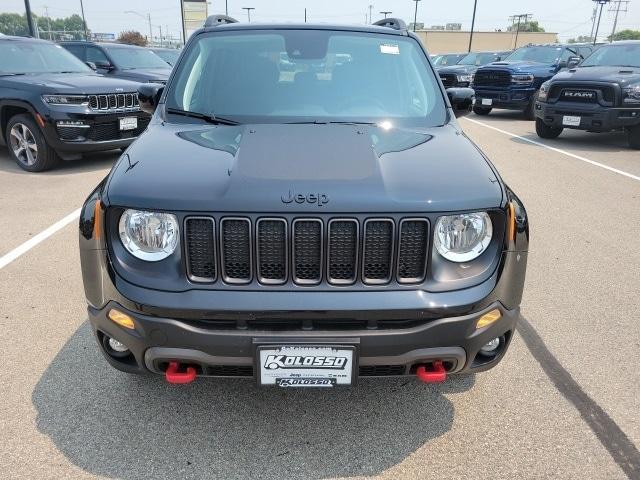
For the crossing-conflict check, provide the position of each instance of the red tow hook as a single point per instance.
(174, 376)
(437, 374)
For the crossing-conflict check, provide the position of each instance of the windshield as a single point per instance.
(308, 75)
(169, 56)
(37, 57)
(479, 59)
(444, 60)
(132, 58)
(536, 54)
(615, 55)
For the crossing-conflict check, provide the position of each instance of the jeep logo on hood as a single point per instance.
(320, 199)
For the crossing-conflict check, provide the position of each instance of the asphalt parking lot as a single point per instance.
(563, 404)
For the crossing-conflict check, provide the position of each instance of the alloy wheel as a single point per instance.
(23, 144)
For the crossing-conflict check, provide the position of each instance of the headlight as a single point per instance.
(149, 236)
(463, 237)
(66, 99)
(465, 78)
(543, 93)
(522, 78)
(632, 94)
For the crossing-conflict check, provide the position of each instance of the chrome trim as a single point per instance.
(272, 281)
(225, 278)
(336, 281)
(187, 257)
(377, 281)
(426, 251)
(122, 102)
(297, 280)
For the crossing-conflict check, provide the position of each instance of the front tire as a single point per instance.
(633, 136)
(530, 111)
(27, 145)
(481, 110)
(545, 131)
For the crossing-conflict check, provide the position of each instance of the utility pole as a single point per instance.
(519, 17)
(593, 20)
(226, 7)
(370, 19)
(415, 15)
(602, 4)
(160, 27)
(46, 14)
(150, 27)
(385, 13)
(248, 9)
(84, 23)
(305, 15)
(619, 8)
(473, 23)
(32, 29)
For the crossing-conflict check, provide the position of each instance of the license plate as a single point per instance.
(128, 123)
(571, 121)
(305, 366)
(487, 101)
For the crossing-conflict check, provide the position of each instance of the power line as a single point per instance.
(520, 16)
(602, 4)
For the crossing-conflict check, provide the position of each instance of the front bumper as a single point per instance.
(507, 98)
(593, 116)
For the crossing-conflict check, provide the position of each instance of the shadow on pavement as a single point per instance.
(89, 163)
(116, 425)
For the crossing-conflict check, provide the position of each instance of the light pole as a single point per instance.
(84, 23)
(226, 7)
(370, 19)
(248, 9)
(385, 14)
(602, 4)
(27, 7)
(415, 15)
(148, 18)
(473, 22)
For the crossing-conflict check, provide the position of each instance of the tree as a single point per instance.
(132, 37)
(626, 35)
(531, 26)
(581, 39)
(69, 28)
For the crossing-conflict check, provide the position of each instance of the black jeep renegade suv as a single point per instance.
(53, 106)
(302, 225)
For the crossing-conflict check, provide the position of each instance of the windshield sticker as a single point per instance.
(389, 49)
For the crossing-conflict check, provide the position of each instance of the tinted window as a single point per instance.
(478, 59)
(96, 55)
(536, 54)
(36, 57)
(615, 55)
(295, 75)
(444, 60)
(132, 58)
(169, 56)
(77, 50)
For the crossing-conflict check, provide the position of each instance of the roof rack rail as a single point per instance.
(395, 23)
(213, 20)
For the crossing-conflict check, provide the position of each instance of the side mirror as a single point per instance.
(461, 100)
(91, 65)
(573, 61)
(149, 96)
(102, 65)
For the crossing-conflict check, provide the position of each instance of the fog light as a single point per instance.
(488, 318)
(121, 319)
(117, 346)
(490, 347)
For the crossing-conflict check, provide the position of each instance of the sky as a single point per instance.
(568, 18)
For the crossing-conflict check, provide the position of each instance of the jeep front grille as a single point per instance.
(114, 102)
(306, 251)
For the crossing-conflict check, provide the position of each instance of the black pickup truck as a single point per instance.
(600, 95)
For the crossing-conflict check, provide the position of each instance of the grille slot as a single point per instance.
(307, 251)
(200, 249)
(493, 78)
(378, 251)
(271, 250)
(342, 264)
(382, 370)
(114, 102)
(235, 239)
(412, 250)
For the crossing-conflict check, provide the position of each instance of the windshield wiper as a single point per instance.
(203, 116)
(10, 74)
(331, 122)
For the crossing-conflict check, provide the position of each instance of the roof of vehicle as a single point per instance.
(624, 42)
(305, 26)
(100, 44)
(164, 49)
(11, 38)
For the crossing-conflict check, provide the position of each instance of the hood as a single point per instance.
(146, 74)
(72, 83)
(621, 75)
(522, 66)
(459, 69)
(303, 168)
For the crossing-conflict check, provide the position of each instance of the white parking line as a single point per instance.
(557, 150)
(35, 240)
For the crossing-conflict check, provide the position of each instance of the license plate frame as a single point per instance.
(306, 376)
(487, 102)
(128, 123)
(571, 120)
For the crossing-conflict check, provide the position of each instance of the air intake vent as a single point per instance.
(200, 249)
(236, 250)
(412, 252)
(342, 266)
(272, 250)
(378, 251)
(307, 251)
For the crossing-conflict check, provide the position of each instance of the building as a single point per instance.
(457, 41)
